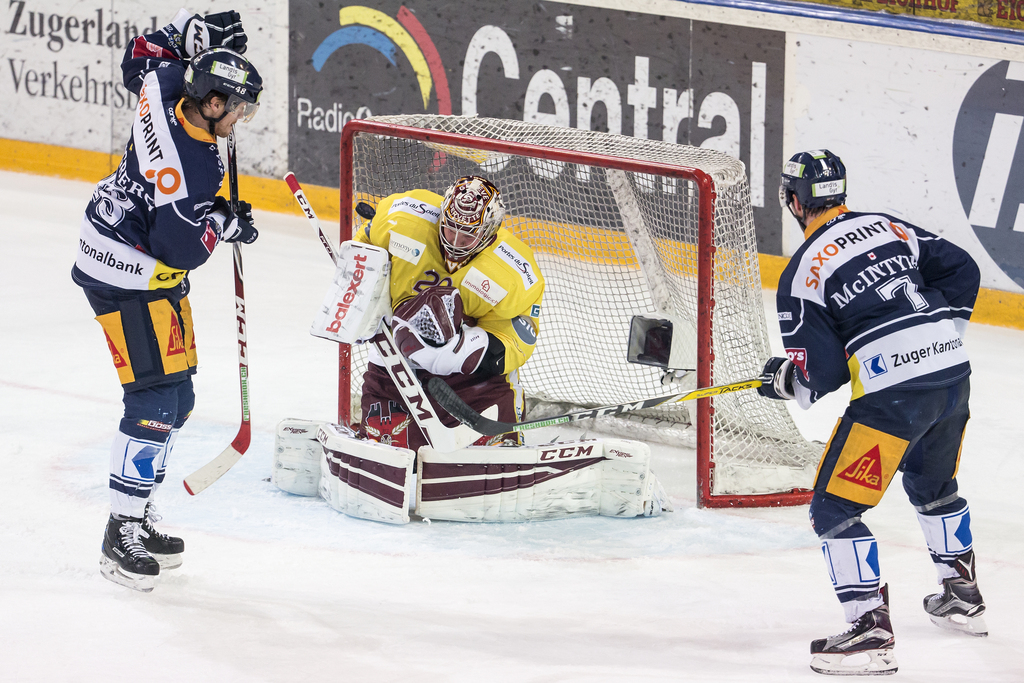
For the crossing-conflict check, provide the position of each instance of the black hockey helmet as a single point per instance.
(817, 178)
(228, 73)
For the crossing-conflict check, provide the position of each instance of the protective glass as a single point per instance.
(247, 109)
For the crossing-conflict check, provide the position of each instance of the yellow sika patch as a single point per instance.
(114, 333)
(866, 466)
(169, 336)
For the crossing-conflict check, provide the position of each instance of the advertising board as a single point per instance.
(644, 75)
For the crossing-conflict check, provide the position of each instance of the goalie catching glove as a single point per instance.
(777, 379)
(231, 226)
(430, 331)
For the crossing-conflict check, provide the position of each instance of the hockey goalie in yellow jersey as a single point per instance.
(466, 294)
(463, 295)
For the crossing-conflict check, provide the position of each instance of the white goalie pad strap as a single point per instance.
(518, 484)
(364, 479)
(359, 296)
(297, 454)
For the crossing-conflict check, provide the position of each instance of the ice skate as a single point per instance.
(124, 559)
(165, 549)
(959, 607)
(865, 649)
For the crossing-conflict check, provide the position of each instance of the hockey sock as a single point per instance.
(946, 525)
(851, 557)
(160, 464)
(132, 474)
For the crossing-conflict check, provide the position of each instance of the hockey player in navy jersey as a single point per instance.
(147, 225)
(875, 301)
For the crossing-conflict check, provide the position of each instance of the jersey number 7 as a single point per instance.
(889, 290)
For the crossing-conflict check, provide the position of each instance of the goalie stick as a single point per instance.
(451, 402)
(441, 438)
(213, 470)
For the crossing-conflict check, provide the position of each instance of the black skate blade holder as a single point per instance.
(653, 342)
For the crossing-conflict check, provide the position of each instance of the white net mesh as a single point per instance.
(613, 244)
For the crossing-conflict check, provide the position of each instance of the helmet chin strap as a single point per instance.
(801, 221)
(212, 122)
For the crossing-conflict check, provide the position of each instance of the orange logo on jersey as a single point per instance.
(175, 342)
(899, 231)
(118, 358)
(168, 180)
(865, 471)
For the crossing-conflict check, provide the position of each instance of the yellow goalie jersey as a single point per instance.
(501, 286)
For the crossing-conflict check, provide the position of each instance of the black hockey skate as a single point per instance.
(959, 607)
(165, 549)
(863, 650)
(124, 559)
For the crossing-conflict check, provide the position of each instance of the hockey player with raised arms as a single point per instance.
(875, 301)
(467, 299)
(147, 225)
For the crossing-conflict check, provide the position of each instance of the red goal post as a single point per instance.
(433, 151)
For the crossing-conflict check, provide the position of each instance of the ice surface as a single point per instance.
(276, 587)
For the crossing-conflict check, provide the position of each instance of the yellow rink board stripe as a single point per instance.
(994, 307)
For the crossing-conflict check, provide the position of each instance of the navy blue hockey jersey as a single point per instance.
(878, 302)
(146, 225)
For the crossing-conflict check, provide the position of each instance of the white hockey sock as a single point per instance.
(132, 474)
(160, 464)
(853, 567)
(947, 536)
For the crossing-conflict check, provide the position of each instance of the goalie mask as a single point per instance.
(471, 214)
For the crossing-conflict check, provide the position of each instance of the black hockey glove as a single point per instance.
(777, 379)
(223, 29)
(234, 227)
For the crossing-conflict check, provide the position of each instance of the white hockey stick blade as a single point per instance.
(212, 471)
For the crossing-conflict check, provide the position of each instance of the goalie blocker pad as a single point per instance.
(364, 479)
(609, 477)
(297, 455)
(359, 296)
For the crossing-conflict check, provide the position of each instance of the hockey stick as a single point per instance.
(441, 438)
(451, 402)
(213, 470)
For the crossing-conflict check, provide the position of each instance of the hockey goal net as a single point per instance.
(620, 226)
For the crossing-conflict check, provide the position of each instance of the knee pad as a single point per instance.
(151, 413)
(827, 513)
(186, 402)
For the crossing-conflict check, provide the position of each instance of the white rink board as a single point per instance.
(886, 100)
(64, 87)
(890, 113)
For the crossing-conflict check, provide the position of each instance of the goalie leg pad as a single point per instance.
(501, 484)
(365, 479)
(297, 455)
